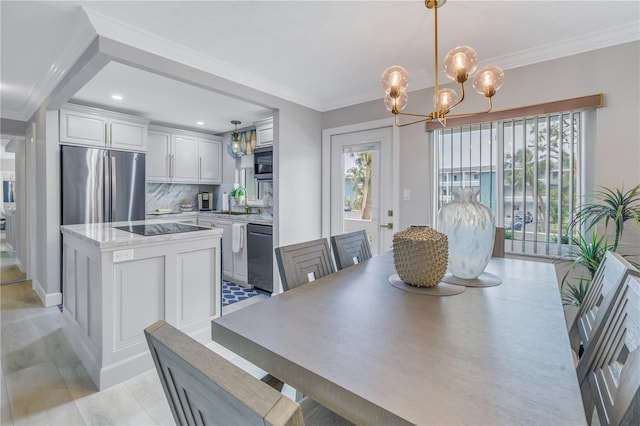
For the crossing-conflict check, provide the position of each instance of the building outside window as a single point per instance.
(528, 173)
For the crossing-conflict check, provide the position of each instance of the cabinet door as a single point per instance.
(227, 254)
(210, 151)
(127, 135)
(158, 151)
(185, 164)
(82, 128)
(264, 133)
(198, 301)
(240, 273)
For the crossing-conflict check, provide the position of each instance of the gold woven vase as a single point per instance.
(420, 254)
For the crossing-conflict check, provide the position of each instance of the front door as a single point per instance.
(361, 189)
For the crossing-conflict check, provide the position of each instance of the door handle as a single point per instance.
(388, 226)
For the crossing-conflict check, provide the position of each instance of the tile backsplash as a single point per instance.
(170, 195)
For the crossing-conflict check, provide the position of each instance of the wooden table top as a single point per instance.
(377, 354)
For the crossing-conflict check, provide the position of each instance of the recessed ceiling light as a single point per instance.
(200, 123)
(116, 97)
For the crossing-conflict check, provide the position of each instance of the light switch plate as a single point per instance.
(406, 195)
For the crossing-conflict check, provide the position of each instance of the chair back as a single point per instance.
(350, 248)
(610, 275)
(304, 262)
(611, 385)
(204, 388)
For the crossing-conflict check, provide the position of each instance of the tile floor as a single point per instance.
(9, 271)
(44, 383)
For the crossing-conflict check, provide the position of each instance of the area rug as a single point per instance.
(232, 293)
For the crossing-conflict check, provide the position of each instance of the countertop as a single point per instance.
(263, 219)
(103, 235)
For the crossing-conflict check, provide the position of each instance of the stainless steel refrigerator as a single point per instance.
(100, 185)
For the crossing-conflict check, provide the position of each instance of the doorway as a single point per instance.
(360, 184)
(10, 270)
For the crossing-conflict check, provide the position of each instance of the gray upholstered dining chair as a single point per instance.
(610, 275)
(304, 262)
(609, 370)
(203, 388)
(350, 248)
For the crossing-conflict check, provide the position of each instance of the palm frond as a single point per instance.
(586, 253)
(574, 294)
(609, 205)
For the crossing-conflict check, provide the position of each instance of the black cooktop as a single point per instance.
(159, 228)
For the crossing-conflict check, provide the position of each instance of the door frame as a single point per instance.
(326, 167)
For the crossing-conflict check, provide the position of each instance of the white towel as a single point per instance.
(236, 237)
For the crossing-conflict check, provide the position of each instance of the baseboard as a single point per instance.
(52, 299)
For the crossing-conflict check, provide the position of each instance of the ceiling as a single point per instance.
(323, 55)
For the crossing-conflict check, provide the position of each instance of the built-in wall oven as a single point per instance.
(260, 256)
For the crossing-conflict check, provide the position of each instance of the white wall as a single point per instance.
(613, 71)
(46, 237)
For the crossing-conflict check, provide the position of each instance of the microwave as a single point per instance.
(263, 163)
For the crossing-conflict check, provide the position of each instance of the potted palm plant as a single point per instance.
(607, 206)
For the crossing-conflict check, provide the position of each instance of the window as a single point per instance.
(528, 172)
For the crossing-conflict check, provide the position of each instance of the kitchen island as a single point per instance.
(117, 282)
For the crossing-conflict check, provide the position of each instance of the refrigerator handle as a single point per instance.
(113, 187)
(106, 194)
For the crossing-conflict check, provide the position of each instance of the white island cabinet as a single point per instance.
(116, 283)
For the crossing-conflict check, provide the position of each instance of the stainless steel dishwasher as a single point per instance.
(260, 256)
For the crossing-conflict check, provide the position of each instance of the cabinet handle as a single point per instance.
(169, 165)
(173, 167)
(111, 134)
(200, 173)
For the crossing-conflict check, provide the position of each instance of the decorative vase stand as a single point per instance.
(485, 279)
(440, 289)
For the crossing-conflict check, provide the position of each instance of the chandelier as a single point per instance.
(242, 143)
(459, 64)
(236, 148)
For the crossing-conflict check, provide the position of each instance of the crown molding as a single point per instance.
(12, 115)
(74, 47)
(127, 34)
(572, 46)
(560, 49)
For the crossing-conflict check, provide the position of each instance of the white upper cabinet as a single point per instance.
(179, 156)
(210, 156)
(264, 132)
(158, 165)
(103, 129)
(83, 128)
(185, 167)
(127, 135)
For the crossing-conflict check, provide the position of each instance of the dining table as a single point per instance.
(378, 354)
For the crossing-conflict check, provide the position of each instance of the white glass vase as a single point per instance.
(470, 228)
